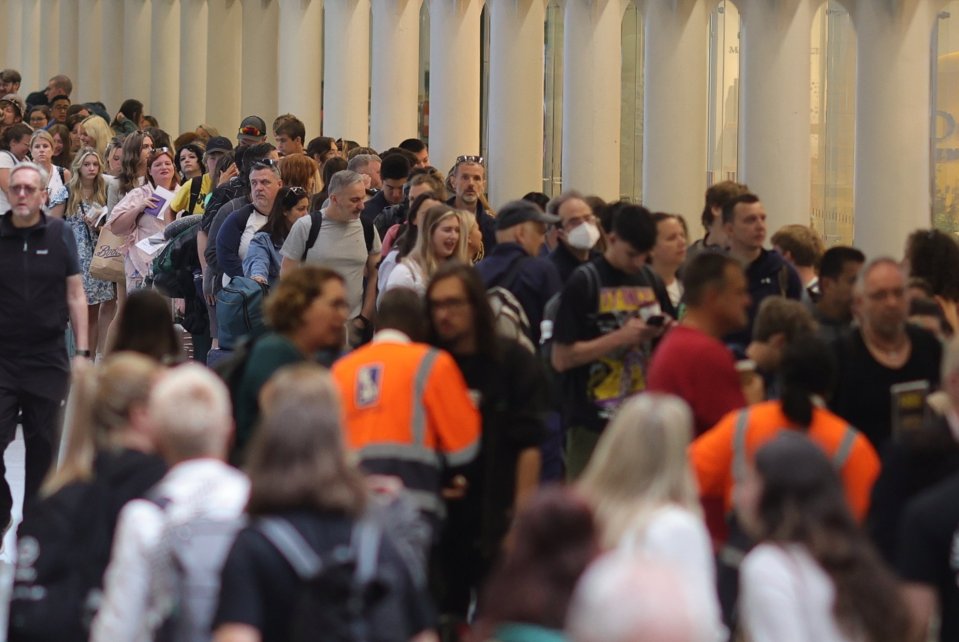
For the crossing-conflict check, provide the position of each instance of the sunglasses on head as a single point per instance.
(250, 131)
(478, 160)
(264, 163)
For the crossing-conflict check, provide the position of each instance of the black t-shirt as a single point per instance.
(259, 587)
(929, 549)
(513, 402)
(863, 397)
(594, 391)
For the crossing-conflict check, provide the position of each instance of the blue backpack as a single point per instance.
(239, 311)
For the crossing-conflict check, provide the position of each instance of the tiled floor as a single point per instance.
(14, 461)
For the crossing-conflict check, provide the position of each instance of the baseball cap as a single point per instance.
(252, 127)
(517, 212)
(219, 144)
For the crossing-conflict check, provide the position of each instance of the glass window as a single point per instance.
(945, 131)
(631, 113)
(723, 131)
(553, 101)
(484, 82)
(833, 122)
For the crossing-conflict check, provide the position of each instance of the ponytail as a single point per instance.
(796, 404)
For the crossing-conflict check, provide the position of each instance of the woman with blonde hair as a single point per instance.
(95, 133)
(109, 459)
(644, 494)
(443, 235)
(41, 150)
(84, 213)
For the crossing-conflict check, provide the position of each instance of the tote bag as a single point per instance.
(107, 263)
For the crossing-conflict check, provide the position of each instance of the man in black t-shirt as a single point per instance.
(601, 336)
(928, 559)
(884, 351)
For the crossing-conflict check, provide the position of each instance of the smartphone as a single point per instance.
(657, 320)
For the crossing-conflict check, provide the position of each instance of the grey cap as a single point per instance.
(517, 212)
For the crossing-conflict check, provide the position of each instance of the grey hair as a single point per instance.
(22, 165)
(860, 287)
(343, 179)
(557, 202)
(360, 161)
(275, 168)
(190, 407)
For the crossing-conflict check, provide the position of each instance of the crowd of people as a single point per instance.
(308, 390)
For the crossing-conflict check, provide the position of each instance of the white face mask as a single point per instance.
(583, 237)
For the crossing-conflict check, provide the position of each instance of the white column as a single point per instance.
(223, 66)
(111, 62)
(13, 52)
(346, 71)
(70, 49)
(165, 81)
(674, 105)
(774, 137)
(30, 24)
(395, 86)
(515, 98)
(893, 165)
(592, 87)
(258, 64)
(454, 80)
(300, 68)
(50, 40)
(193, 72)
(135, 52)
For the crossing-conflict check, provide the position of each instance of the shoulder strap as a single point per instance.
(511, 273)
(195, 185)
(784, 280)
(316, 222)
(368, 231)
(592, 278)
(845, 448)
(739, 446)
(291, 545)
(62, 174)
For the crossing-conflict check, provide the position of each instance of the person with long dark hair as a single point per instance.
(263, 260)
(129, 117)
(145, 325)
(813, 575)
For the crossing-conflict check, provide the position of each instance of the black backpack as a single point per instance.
(174, 267)
(339, 588)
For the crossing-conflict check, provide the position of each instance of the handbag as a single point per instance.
(107, 262)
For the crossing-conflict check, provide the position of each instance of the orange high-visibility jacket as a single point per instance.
(720, 455)
(408, 413)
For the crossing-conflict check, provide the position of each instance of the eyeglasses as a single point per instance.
(478, 160)
(250, 131)
(26, 190)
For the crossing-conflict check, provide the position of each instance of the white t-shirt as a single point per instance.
(678, 538)
(7, 161)
(407, 274)
(675, 292)
(785, 596)
(253, 225)
(340, 246)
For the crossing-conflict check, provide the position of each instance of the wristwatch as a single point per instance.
(82, 353)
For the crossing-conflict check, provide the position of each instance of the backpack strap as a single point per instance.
(592, 278)
(739, 445)
(365, 544)
(845, 448)
(316, 221)
(195, 185)
(511, 274)
(368, 231)
(784, 280)
(62, 173)
(291, 545)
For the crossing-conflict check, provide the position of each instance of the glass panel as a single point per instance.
(722, 161)
(484, 83)
(424, 74)
(553, 101)
(833, 121)
(631, 114)
(945, 82)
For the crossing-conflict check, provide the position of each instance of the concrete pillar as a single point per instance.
(194, 23)
(258, 63)
(346, 71)
(13, 52)
(893, 164)
(223, 66)
(135, 40)
(50, 40)
(111, 63)
(30, 45)
(515, 163)
(674, 105)
(774, 136)
(592, 87)
(454, 80)
(70, 47)
(300, 68)
(165, 81)
(90, 55)
(395, 86)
